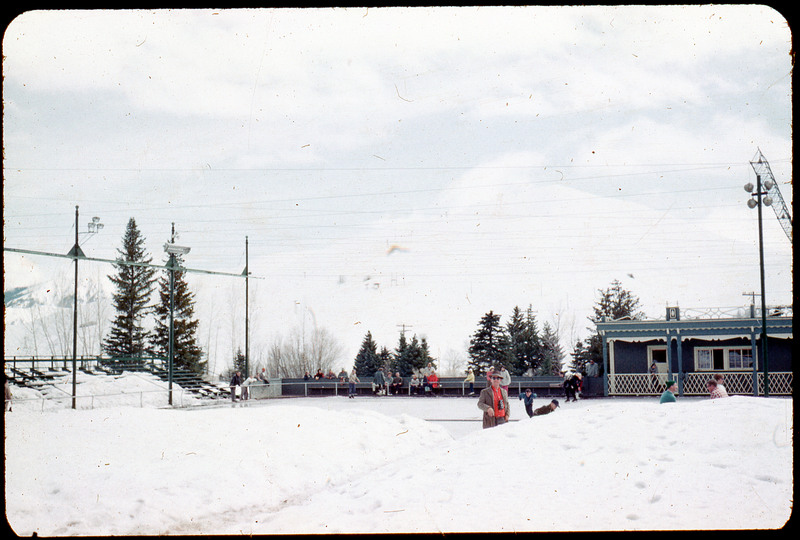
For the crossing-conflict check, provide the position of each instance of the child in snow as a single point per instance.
(528, 397)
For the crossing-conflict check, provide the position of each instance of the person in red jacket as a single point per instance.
(433, 381)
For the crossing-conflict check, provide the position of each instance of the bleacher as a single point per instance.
(37, 372)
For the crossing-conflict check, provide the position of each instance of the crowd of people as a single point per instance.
(426, 382)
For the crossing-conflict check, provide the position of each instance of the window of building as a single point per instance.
(722, 358)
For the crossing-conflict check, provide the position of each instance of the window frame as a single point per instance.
(726, 354)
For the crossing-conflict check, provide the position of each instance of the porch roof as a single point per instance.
(710, 329)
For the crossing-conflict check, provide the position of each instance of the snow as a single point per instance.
(392, 464)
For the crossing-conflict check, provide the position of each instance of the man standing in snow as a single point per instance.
(493, 401)
(235, 381)
(546, 409)
(352, 380)
(669, 394)
(379, 382)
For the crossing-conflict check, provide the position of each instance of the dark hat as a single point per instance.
(670, 383)
(555, 401)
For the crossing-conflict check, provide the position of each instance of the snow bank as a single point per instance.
(333, 465)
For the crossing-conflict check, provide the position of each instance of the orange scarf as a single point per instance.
(499, 407)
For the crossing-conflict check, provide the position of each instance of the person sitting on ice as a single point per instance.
(716, 390)
(528, 397)
(669, 394)
(546, 409)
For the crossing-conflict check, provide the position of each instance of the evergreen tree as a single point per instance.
(134, 286)
(580, 357)
(552, 353)
(533, 345)
(614, 303)
(425, 357)
(186, 352)
(367, 360)
(403, 357)
(617, 303)
(385, 360)
(238, 362)
(489, 345)
(523, 341)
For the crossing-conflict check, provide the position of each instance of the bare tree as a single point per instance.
(454, 363)
(294, 355)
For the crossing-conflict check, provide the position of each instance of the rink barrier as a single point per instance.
(694, 384)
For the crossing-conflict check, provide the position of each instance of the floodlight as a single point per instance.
(768, 201)
(768, 184)
(752, 203)
(748, 187)
(173, 249)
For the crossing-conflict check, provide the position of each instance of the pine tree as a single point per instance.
(186, 352)
(580, 357)
(614, 303)
(489, 345)
(533, 342)
(385, 359)
(239, 361)
(617, 303)
(425, 357)
(403, 357)
(134, 286)
(367, 360)
(523, 341)
(552, 353)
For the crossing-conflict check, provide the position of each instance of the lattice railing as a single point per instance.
(644, 384)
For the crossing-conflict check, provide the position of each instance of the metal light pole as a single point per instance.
(753, 203)
(173, 250)
(246, 309)
(76, 251)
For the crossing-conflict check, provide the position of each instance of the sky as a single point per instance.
(398, 464)
(399, 168)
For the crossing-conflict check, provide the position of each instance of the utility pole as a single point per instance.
(246, 308)
(76, 252)
(402, 328)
